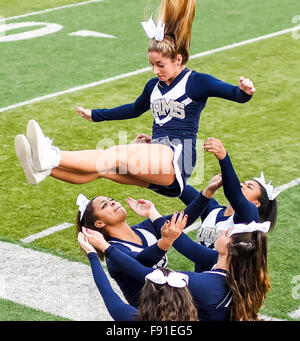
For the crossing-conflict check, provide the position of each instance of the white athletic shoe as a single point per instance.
(23, 151)
(45, 156)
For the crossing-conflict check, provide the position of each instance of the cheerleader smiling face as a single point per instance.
(165, 68)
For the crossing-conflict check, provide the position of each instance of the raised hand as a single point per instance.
(96, 239)
(141, 207)
(216, 147)
(246, 85)
(84, 113)
(214, 184)
(171, 230)
(84, 243)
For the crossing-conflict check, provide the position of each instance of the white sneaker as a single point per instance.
(45, 156)
(23, 151)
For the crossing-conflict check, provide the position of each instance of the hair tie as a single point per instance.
(153, 31)
(268, 187)
(173, 279)
(252, 227)
(82, 202)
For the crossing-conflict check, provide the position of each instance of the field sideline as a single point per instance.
(261, 135)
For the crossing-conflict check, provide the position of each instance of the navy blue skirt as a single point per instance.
(183, 162)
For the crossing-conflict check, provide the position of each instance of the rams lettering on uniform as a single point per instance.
(161, 107)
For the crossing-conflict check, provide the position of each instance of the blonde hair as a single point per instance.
(178, 16)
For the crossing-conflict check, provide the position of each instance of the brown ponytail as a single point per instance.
(178, 16)
(247, 276)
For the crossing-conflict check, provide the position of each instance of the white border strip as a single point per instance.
(51, 9)
(46, 232)
(136, 72)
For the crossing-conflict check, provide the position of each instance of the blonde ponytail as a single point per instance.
(178, 16)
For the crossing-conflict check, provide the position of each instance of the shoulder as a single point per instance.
(145, 224)
(212, 205)
(200, 77)
(123, 246)
(200, 84)
(151, 83)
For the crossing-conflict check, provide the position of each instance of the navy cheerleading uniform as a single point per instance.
(176, 110)
(210, 292)
(148, 254)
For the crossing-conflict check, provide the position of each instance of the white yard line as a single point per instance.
(50, 10)
(288, 185)
(50, 284)
(76, 88)
(46, 232)
(295, 314)
(246, 42)
(146, 69)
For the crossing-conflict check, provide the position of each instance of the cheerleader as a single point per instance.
(147, 241)
(176, 98)
(234, 279)
(164, 296)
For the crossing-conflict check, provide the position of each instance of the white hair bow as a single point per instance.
(153, 31)
(82, 202)
(253, 226)
(174, 279)
(268, 187)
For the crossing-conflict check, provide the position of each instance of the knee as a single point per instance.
(110, 161)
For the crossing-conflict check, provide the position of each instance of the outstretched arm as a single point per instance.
(244, 209)
(123, 261)
(117, 309)
(123, 112)
(204, 86)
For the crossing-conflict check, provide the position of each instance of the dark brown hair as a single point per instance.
(268, 208)
(247, 276)
(88, 220)
(161, 302)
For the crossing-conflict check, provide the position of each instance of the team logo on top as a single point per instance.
(208, 235)
(161, 107)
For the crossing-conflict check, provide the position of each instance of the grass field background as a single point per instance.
(260, 135)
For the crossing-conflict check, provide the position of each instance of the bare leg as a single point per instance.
(76, 177)
(149, 163)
